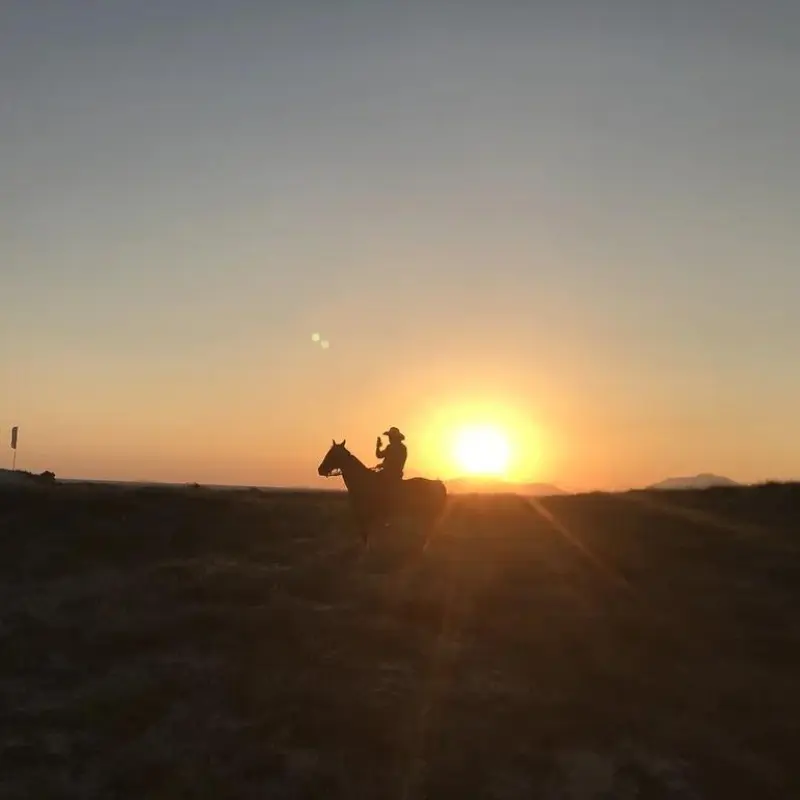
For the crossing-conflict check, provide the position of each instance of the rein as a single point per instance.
(336, 472)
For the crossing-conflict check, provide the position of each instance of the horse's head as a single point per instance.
(334, 459)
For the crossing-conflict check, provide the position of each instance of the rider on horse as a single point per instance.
(393, 456)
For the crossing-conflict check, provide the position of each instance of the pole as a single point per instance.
(14, 432)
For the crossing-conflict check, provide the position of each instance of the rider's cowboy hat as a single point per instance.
(394, 433)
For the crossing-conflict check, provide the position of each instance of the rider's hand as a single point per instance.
(378, 442)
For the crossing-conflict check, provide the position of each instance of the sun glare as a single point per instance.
(482, 451)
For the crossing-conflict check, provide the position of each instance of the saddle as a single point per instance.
(389, 485)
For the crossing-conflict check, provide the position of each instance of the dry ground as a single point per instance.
(198, 644)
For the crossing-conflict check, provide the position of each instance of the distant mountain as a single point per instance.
(496, 486)
(703, 481)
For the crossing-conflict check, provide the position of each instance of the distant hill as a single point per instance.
(495, 486)
(703, 481)
(20, 477)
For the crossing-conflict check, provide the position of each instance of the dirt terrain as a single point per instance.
(189, 643)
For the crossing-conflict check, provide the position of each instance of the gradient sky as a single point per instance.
(578, 220)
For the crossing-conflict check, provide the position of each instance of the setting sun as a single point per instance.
(482, 451)
(482, 437)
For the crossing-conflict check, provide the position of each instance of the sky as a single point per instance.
(576, 221)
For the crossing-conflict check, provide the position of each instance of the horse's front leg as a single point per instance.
(363, 525)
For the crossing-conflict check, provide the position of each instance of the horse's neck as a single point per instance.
(354, 472)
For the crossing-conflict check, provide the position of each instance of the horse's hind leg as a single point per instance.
(432, 522)
(364, 526)
(427, 523)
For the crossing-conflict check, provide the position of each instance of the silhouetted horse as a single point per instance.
(373, 502)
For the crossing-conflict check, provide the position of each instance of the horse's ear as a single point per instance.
(333, 442)
(343, 442)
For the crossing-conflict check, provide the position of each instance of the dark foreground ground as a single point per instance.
(197, 644)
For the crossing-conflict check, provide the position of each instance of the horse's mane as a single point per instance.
(356, 459)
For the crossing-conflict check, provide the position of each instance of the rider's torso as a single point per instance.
(394, 459)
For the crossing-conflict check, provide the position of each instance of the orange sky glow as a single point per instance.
(230, 235)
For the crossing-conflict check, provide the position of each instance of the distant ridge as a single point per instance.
(497, 486)
(703, 481)
(21, 477)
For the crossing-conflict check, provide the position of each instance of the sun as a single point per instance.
(482, 451)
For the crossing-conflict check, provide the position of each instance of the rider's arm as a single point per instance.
(378, 451)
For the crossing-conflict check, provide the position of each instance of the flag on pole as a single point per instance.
(14, 437)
